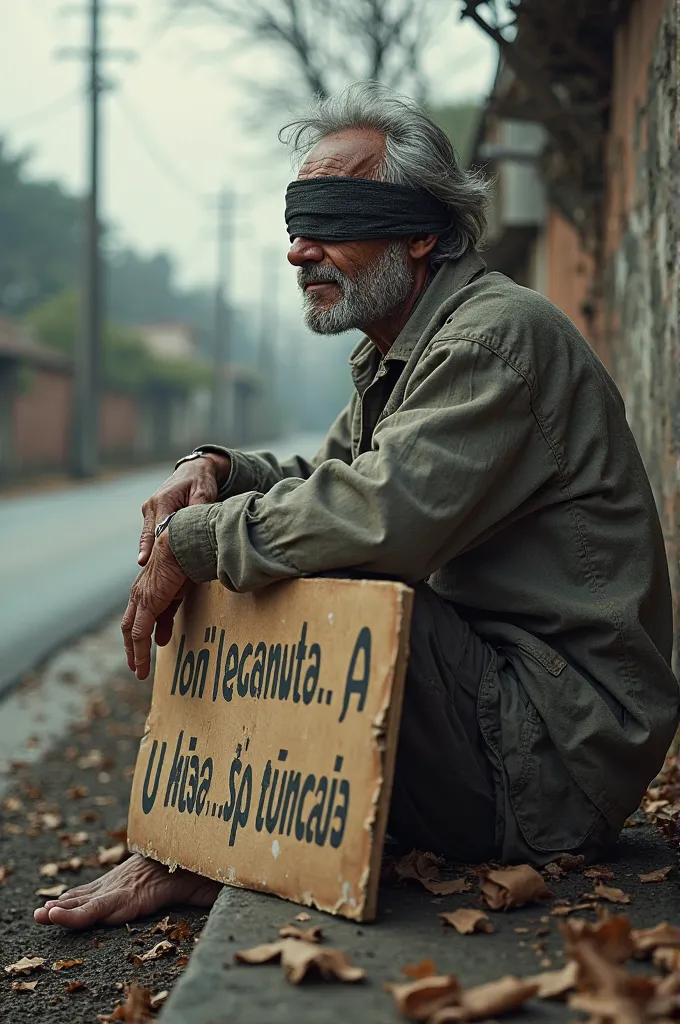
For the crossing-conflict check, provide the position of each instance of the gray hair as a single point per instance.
(417, 153)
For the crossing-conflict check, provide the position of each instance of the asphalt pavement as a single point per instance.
(68, 558)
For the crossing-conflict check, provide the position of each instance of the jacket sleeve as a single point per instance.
(444, 469)
(259, 471)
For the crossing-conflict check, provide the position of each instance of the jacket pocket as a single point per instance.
(552, 811)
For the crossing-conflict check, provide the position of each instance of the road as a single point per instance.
(67, 559)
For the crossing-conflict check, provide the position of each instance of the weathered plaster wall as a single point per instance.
(640, 335)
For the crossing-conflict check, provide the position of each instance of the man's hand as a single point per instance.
(154, 599)
(193, 483)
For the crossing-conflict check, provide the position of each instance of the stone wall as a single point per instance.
(639, 337)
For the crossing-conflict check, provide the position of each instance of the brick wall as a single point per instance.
(42, 414)
(639, 336)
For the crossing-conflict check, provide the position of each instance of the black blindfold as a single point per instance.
(353, 209)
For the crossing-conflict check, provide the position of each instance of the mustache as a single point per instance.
(320, 275)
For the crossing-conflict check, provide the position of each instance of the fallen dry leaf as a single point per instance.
(5, 872)
(555, 984)
(660, 875)
(158, 999)
(74, 838)
(291, 931)
(419, 1000)
(54, 891)
(26, 965)
(162, 927)
(62, 965)
(49, 870)
(611, 935)
(73, 986)
(596, 872)
(513, 887)
(446, 888)
(564, 911)
(423, 969)
(24, 986)
(163, 948)
(468, 921)
(667, 958)
(303, 917)
(77, 792)
(568, 862)
(113, 855)
(303, 959)
(136, 1010)
(489, 1000)
(50, 820)
(646, 940)
(609, 892)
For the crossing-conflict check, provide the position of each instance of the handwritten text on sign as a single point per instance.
(268, 756)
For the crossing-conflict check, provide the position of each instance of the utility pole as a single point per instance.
(268, 340)
(88, 353)
(220, 411)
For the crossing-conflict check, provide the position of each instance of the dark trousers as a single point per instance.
(444, 793)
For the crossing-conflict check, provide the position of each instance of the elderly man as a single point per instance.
(484, 459)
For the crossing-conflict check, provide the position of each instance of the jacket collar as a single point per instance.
(450, 278)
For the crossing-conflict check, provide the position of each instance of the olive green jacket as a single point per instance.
(488, 452)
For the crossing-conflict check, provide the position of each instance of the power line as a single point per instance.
(155, 153)
(53, 108)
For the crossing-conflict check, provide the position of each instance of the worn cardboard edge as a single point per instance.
(386, 725)
(390, 730)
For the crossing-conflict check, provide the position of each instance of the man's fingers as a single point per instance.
(164, 624)
(126, 629)
(141, 633)
(147, 538)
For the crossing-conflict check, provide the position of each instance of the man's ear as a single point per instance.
(421, 245)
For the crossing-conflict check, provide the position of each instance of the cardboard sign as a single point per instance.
(268, 754)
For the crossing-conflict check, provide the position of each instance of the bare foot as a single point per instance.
(133, 889)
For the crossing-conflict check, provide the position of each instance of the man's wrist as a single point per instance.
(222, 464)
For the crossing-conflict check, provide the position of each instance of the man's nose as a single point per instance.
(303, 250)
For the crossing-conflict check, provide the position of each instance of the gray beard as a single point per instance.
(365, 300)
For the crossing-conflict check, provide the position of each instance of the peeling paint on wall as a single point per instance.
(641, 342)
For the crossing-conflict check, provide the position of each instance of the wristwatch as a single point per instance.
(163, 525)
(206, 449)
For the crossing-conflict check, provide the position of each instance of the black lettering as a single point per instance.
(149, 799)
(315, 815)
(266, 776)
(242, 806)
(218, 666)
(341, 815)
(202, 662)
(230, 672)
(307, 787)
(312, 674)
(272, 817)
(273, 665)
(257, 672)
(300, 657)
(193, 783)
(242, 682)
(286, 673)
(185, 679)
(204, 788)
(175, 773)
(359, 684)
(322, 830)
(235, 770)
(292, 793)
(178, 662)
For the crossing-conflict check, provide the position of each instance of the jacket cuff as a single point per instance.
(191, 535)
(243, 476)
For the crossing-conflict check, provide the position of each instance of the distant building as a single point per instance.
(170, 339)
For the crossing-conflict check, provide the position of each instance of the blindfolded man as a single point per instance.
(484, 459)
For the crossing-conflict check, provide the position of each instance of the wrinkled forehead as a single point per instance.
(352, 154)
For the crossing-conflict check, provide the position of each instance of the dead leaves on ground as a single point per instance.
(163, 948)
(610, 893)
(26, 965)
(5, 872)
(468, 921)
(138, 1008)
(291, 931)
(108, 857)
(24, 986)
(421, 867)
(660, 875)
(441, 999)
(64, 965)
(513, 887)
(301, 960)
